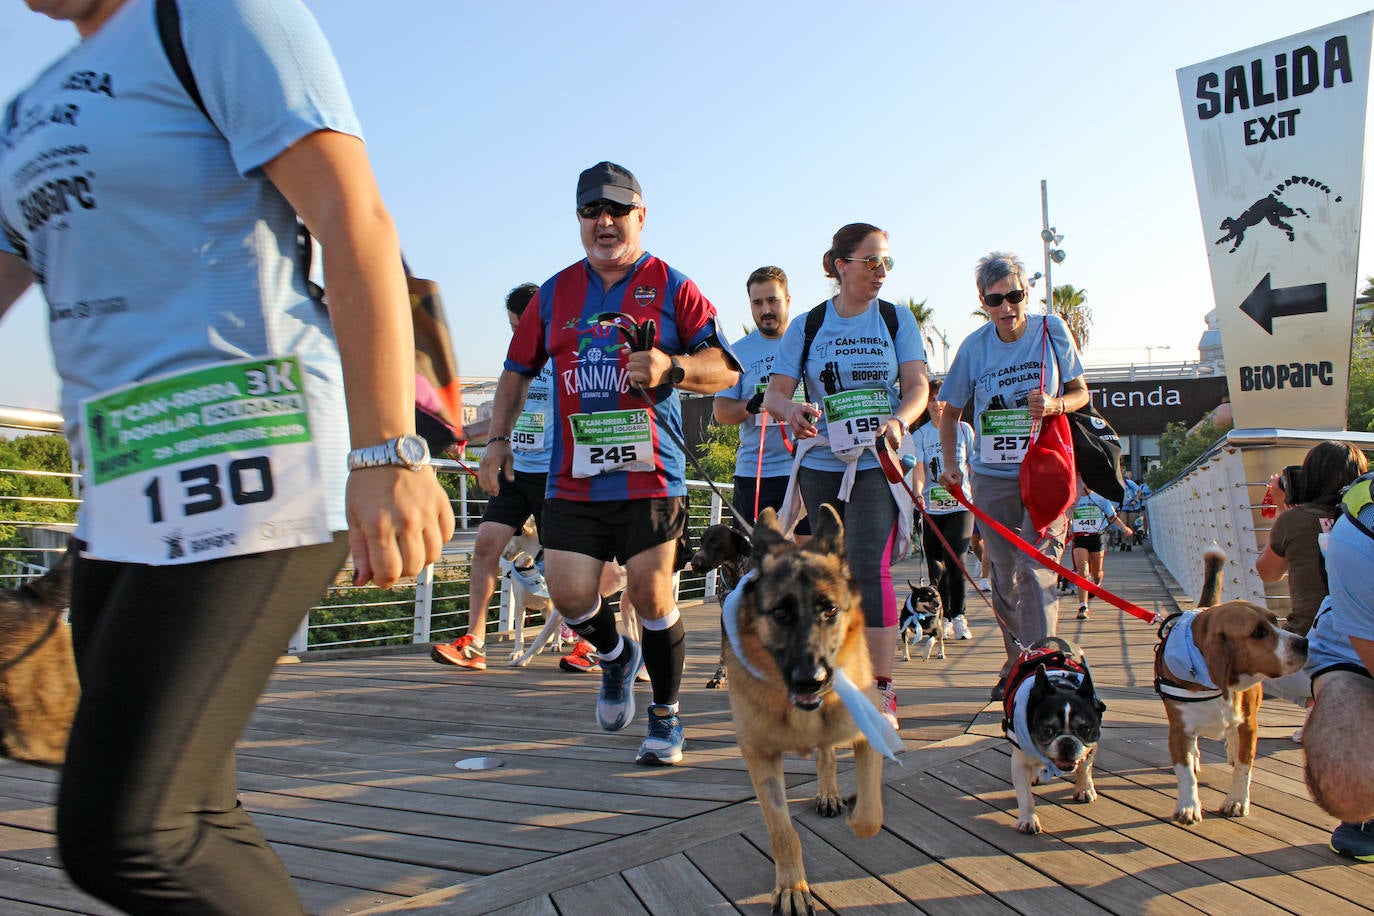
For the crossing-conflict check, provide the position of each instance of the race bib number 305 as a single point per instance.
(612, 440)
(1004, 436)
(528, 434)
(210, 463)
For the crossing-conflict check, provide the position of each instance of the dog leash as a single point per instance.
(640, 337)
(1092, 588)
(758, 471)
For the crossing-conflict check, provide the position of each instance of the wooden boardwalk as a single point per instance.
(349, 766)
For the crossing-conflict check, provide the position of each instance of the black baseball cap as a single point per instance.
(607, 181)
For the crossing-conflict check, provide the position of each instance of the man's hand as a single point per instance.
(398, 522)
(648, 368)
(497, 461)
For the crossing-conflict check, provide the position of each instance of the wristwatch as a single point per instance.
(676, 374)
(408, 451)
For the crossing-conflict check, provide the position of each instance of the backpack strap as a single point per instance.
(169, 33)
(1355, 499)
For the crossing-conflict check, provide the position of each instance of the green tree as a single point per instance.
(717, 451)
(1071, 305)
(35, 486)
(1359, 410)
(1179, 448)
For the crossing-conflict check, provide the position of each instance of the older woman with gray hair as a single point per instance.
(1016, 369)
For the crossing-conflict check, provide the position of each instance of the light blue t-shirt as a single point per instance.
(999, 376)
(1349, 609)
(756, 354)
(159, 244)
(849, 354)
(1091, 513)
(926, 442)
(532, 438)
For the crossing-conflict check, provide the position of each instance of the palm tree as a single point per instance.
(1070, 304)
(924, 315)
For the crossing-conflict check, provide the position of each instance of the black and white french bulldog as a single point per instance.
(1054, 720)
(922, 621)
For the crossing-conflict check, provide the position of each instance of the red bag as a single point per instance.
(1048, 487)
(1049, 484)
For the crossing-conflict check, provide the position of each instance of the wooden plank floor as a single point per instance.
(349, 767)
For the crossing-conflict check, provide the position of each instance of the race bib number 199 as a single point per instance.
(854, 418)
(204, 464)
(612, 440)
(1004, 436)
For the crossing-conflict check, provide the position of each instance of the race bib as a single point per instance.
(1004, 436)
(854, 418)
(1086, 519)
(761, 418)
(613, 440)
(528, 434)
(938, 499)
(200, 465)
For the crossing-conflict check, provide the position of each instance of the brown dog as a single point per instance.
(725, 548)
(799, 622)
(1208, 671)
(38, 687)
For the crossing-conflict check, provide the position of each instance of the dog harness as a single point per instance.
(1062, 672)
(876, 729)
(1176, 651)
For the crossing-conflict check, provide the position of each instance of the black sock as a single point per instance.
(600, 631)
(665, 651)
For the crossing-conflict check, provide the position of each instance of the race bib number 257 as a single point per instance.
(204, 464)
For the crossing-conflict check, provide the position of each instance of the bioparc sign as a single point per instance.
(1276, 134)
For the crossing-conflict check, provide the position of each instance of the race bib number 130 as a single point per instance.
(204, 464)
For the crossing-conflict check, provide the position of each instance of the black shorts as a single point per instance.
(771, 495)
(614, 529)
(1092, 543)
(518, 500)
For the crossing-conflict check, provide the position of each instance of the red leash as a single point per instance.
(1091, 587)
(890, 466)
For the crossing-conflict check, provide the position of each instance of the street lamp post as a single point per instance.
(1048, 235)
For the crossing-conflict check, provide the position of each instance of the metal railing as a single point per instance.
(1218, 499)
(433, 607)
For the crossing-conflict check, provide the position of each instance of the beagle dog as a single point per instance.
(1209, 665)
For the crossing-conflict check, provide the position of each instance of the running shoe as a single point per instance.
(463, 652)
(1354, 841)
(961, 630)
(582, 658)
(1082, 612)
(984, 584)
(888, 706)
(615, 707)
(949, 629)
(663, 747)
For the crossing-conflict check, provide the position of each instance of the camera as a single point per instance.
(1290, 481)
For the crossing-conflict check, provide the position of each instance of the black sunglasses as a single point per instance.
(1015, 297)
(596, 208)
(874, 262)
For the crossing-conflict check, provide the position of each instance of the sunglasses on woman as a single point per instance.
(595, 209)
(874, 262)
(1015, 297)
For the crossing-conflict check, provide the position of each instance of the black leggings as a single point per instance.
(172, 660)
(957, 527)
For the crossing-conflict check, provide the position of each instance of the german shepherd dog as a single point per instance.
(38, 686)
(799, 621)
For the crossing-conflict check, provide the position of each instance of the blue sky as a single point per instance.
(757, 129)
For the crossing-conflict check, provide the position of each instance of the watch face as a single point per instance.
(412, 450)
